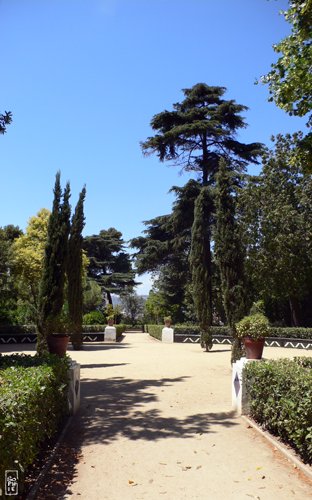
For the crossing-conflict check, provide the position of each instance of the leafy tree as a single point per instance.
(290, 79)
(51, 298)
(28, 256)
(277, 221)
(165, 250)
(199, 131)
(8, 296)
(195, 135)
(132, 305)
(156, 307)
(229, 253)
(200, 261)
(109, 265)
(74, 273)
(5, 119)
(92, 296)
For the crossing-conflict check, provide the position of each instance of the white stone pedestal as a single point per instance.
(74, 388)
(239, 397)
(167, 335)
(110, 334)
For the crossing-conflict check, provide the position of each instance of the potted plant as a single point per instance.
(58, 340)
(252, 330)
(168, 321)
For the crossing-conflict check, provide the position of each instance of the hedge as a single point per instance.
(154, 330)
(279, 395)
(33, 400)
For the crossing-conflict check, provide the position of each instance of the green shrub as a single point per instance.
(293, 333)
(120, 329)
(255, 326)
(280, 399)
(33, 400)
(12, 329)
(93, 328)
(94, 318)
(155, 331)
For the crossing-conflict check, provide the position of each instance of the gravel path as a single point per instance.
(156, 422)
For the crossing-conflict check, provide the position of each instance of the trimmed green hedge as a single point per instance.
(12, 329)
(120, 329)
(33, 400)
(279, 397)
(154, 330)
(292, 333)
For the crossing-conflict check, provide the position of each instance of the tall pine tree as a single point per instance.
(74, 273)
(229, 253)
(200, 263)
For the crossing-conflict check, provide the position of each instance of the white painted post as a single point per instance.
(167, 335)
(74, 387)
(110, 334)
(239, 396)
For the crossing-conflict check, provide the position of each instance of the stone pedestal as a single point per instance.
(74, 388)
(110, 334)
(167, 335)
(239, 396)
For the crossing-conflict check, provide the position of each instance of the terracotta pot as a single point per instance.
(254, 348)
(57, 344)
(168, 323)
(110, 322)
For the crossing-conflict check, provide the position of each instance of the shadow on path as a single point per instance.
(114, 408)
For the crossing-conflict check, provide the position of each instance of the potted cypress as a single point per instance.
(252, 330)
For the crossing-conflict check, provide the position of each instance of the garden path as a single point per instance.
(156, 422)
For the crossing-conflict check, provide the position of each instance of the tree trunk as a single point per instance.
(109, 298)
(295, 313)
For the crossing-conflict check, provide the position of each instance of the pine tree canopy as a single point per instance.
(199, 131)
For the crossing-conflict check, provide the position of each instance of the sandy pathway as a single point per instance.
(156, 422)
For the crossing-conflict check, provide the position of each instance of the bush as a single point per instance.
(120, 329)
(155, 331)
(293, 333)
(280, 399)
(255, 326)
(33, 400)
(13, 329)
(94, 318)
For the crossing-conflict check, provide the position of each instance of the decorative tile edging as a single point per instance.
(269, 342)
(31, 338)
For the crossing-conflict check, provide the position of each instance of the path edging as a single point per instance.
(290, 455)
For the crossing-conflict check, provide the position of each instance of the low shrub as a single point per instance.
(120, 329)
(155, 331)
(279, 397)
(94, 318)
(13, 329)
(33, 400)
(93, 328)
(292, 333)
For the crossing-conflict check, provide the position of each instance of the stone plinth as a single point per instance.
(74, 388)
(239, 397)
(167, 335)
(110, 334)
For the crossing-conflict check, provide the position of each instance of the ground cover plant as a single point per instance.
(279, 395)
(33, 401)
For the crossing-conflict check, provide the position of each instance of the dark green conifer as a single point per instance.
(74, 273)
(229, 253)
(200, 263)
(51, 297)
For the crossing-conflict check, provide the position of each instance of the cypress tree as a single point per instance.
(51, 296)
(229, 253)
(74, 272)
(200, 264)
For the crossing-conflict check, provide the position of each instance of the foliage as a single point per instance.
(33, 399)
(74, 273)
(279, 397)
(199, 131)
(229, 253)
(200, 263)
(255, 326)
(92, 296)
(290, 79)
(5, 119)
(94, 318)
(120, 329)
(132, 306)
(27, 259)
(109, 264)
(276, 214)
(8, 294)
(155, 331)
(51, 296)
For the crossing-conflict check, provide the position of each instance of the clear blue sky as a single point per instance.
(83, 79)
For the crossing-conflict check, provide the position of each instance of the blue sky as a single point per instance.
(83, 79)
